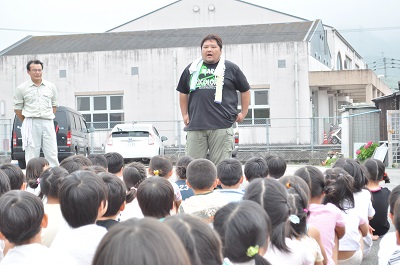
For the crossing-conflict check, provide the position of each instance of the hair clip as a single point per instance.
(38, 181)
(288, 185)
(305, 210)
(156, 172)
(294, 219)
(133, 188)
(252, 251)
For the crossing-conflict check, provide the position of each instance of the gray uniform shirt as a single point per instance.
(36, 101)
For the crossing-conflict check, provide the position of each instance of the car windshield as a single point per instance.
(130, 134)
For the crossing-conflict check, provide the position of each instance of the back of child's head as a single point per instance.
(133, 174)
(50, 181)
(272, 196)
(98, 160)
(276, 166)
(116, 191)
(201, 174)
(4, 183)
(355, 170)
(397, 221)
(14, 174)
(141, 241)
(155, 197)
(375, 168)
(200, 240)
(255, 167)
(229, 171)
(181, 166)
(21, 215)
(115, 162)
(160, 166)
(34, 169)
(339, 188)
(81, 195)
(393, 197)
(244, 227)
(314, 178)
(298, 194)
(76, 162)
(96, 169)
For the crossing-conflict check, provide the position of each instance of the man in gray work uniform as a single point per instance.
(208, 101)
(35, 103)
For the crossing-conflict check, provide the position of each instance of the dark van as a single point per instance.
(72, 136)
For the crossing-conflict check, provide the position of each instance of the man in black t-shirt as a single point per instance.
(208, 101)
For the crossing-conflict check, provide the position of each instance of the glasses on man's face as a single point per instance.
(35, 70)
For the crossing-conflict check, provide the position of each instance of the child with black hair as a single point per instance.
(362, 196)
(339, 191)
(76, 162)
(161, 166)
(156, 197)
(34, 169)
(15, 175)
(327, 218)
(116, 191)
(133, 174)
(230, 177)
(386, 245)
(21, 219)
(141, 241)
(115, 163)
(180, 170)
(83, 199)
(298, 194)
(255, 167)
(202, 178)
(395, 257)
(272, 196)
(200, 240)
(4, 187)
(380, 197)
(276, 166)
(98, 160)
(244, 228)
(50, 182)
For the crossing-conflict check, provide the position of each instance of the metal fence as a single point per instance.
(298, 140)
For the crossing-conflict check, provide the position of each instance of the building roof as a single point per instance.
(153, 39)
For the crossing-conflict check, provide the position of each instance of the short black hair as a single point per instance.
(229, 171)
(212, 37)
(115, 162)
(98, 160)
(116, 190)
(51, 179)
(201, 174)
(393, 197)
(21, 215)
(276, 166)
(76, 162)
(4, 183)
(15, 175)
(255, 167)
(28, 65)
(81, 194)
(155, 197)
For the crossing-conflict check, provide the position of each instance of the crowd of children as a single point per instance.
(97, 210)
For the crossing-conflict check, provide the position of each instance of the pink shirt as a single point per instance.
(326, 218)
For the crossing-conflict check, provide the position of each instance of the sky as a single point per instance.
(371, 27)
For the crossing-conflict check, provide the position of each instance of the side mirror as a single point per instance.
(164, 138)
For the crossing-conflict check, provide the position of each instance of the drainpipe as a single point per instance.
(296, 92)
(176, 95)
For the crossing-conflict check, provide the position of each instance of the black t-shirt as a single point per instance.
(380, 202)
(204, 113)
(106, 223)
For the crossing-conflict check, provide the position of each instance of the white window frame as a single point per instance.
(252, 106)
(109, 124)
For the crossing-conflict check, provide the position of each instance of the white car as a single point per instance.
(135, 141)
